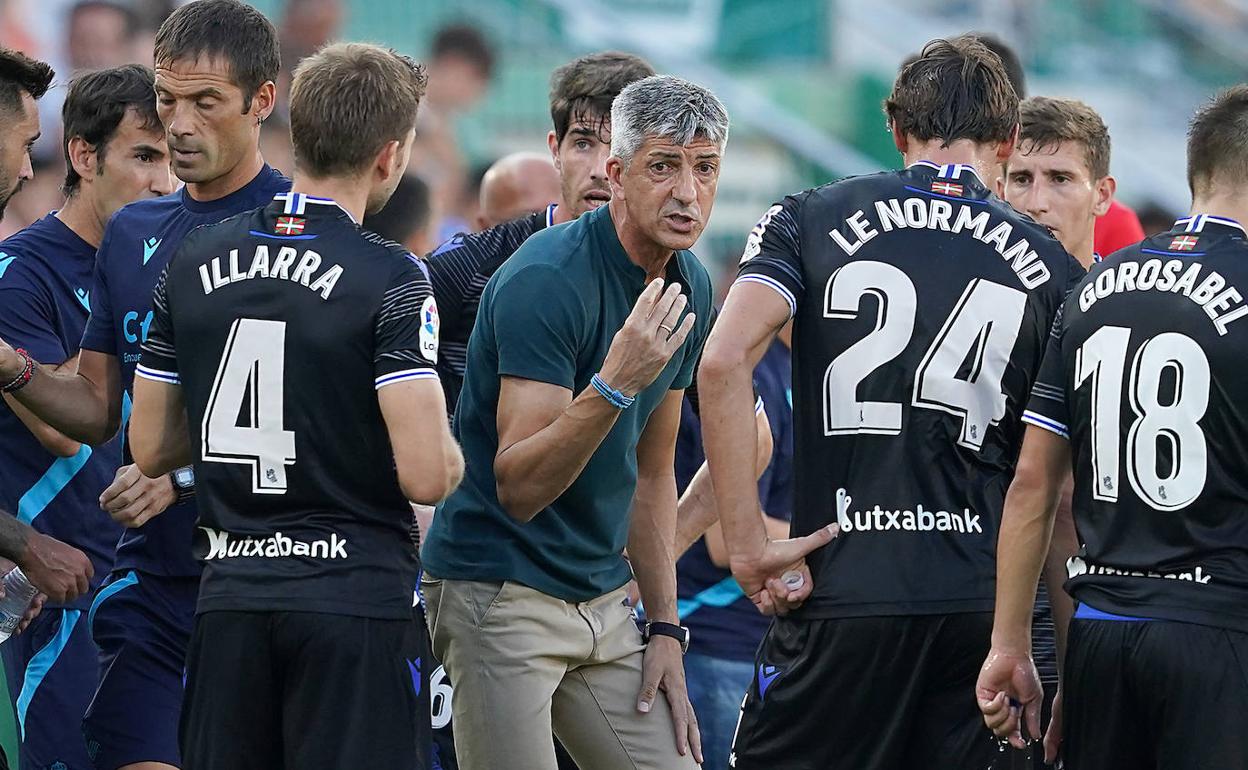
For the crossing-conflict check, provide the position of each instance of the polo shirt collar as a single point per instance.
(614, 254)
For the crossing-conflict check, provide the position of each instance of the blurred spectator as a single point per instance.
(517, 184)
(100, 34)
(1119, 227)
(306, 26)
(406, 217)
(459, 214)
(461, 64)
(151, 14)
(1155, 219)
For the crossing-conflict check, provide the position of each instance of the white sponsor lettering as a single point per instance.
(918, 519)
(1221, 303)
(1077, 566)
(223, 545)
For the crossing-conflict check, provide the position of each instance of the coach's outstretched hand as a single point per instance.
(651, 334)
(762, 578)
(1008, 684)
(663, 670)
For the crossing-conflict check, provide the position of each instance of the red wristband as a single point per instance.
(23, 379)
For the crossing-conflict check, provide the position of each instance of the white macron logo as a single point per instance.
(222, 546)
(918, 520)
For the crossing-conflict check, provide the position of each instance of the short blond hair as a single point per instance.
(347, 101)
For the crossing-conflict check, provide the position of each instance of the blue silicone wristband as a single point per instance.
(613, 396)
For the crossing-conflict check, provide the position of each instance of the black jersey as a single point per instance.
(922, 305)
(459, 270)
(1145, 375)
(280, 324)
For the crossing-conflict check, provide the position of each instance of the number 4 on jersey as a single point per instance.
(982, 329)
(250, 389)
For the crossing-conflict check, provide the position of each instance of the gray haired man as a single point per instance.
(585, 340)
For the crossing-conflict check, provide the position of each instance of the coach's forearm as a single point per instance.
(72, 403)
(533, 472)
(650, 545)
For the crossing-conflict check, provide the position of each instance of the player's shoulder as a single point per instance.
(551, 249)
(400, 261)
(24, 257)
(501, 240)
(146, 211)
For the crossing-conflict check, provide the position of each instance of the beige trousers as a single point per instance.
(523, 663)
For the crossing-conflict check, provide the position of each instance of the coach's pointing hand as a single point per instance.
(1008, 683)
(651, 334)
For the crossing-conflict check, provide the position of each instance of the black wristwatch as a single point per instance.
(183, 482)
(659, 628)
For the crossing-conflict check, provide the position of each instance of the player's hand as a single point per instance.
(762, 577)
(1053, 735)
(663, 669)
(651, 334)
(32, 612)
(11, 364)
(36, 603)
(133, 499)
(1008, 684)
(791, 588)
(58, 570)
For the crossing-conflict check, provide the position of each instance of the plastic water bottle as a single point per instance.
(18, 593)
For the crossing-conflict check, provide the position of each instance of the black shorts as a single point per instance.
(1154, 694)
(305, 691)
(877, 693)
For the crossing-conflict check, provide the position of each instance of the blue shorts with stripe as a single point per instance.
(142, 624)
(53, 668)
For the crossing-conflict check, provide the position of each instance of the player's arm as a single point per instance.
(545, 436)
(60, 571)
(84, 405)
(60, 404)
(429, 462)
(752, 315)
(1008, 680)
(696, 514)
(159, 435)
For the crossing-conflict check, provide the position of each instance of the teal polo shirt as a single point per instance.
(549, 314)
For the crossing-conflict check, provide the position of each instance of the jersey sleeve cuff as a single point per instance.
(773, 284)
(1048, 423)
(406, 375)
(758, 405)
(157, 375)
